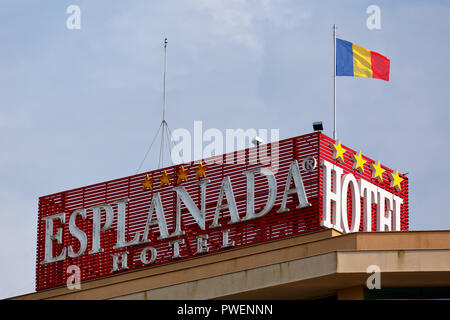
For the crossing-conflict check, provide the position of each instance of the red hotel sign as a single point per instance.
(181, 212)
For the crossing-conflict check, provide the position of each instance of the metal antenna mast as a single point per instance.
(163, 127)
(163, 123)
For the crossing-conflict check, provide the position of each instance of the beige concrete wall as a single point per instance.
(308, 266)
(246, 280)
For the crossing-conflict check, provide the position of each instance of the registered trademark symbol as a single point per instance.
(309, 164)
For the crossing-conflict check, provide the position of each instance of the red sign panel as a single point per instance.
(240, 199)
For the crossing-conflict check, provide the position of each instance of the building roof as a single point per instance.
(320, 264)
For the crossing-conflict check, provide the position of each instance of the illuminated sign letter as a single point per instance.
(226, 239)
(230, 204)
(49, 237)
(331, 198)
(156, 205)
(272, 182)
(299, 189)
(397, 213)
(384, 210)
(121, 215)
(349, 181)
(202, 243)
(122, 258)
(176, 248)
(369, 193)
(96, 228)
(196, 213)
(77, 233)
(153, 255)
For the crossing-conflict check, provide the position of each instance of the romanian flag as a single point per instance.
(355, 61)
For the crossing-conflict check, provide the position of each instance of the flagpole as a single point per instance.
(334, 78)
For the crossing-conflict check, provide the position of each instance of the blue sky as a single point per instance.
(81, 106)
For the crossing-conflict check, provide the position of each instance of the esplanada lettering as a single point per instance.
(156, 216)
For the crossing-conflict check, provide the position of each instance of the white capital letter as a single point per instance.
(96, 228)
(397, 213)
(299, 189)
(121, 217)
(176, 247)
(156, 206)
(153, 255)
(349, 180)
(202, 243)
(196, 213)
(272, 182)
(331, 199)
(77, 233)
(384, 210)
(226, 190)
(122, 258)
(370, 196)
(49, 237)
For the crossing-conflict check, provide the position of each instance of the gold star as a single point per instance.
(378, 173)
(182, 175)
(165, 179)
(200, 171)
(396, 180)
(359, 162)
(338, 151)
(147, 183)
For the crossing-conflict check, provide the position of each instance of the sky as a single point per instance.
(81, 106)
